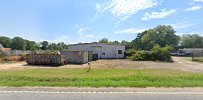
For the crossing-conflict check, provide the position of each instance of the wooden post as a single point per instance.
(88, 67)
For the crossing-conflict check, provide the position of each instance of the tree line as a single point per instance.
(162, 35)
(18, 43)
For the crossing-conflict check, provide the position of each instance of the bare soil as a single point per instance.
(178, 64)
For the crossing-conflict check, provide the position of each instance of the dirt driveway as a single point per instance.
(178, 64)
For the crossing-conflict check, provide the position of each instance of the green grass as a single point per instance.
(100, 78)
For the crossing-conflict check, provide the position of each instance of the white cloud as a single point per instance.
(130, 31)
(198, 0)
(81, 30)
(180, 33)
(193, 8)
(82, 33)
(90, 36)
(162, 14)
(99, 10)
(32, 36)
(127, 8)
(181, 25)
(184, 33)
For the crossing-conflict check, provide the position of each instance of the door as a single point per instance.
(95, 57)
(97, 50)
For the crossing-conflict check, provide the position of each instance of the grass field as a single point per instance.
(100, 78)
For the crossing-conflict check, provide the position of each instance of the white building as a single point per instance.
(101, 50)
(192, 50)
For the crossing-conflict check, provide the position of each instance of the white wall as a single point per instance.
(111, 51)
(195, 50)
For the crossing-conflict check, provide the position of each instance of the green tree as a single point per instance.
(166, 36)
(161, 35)
(115, 42)
(128, 45)
(18, 43)
(44, 45)
(62, 46)
(31, 45)
(104, 40)
(5, 41)
(192, 41)
(53, 46)
(148, 40)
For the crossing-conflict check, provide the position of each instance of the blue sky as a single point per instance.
(74, 21)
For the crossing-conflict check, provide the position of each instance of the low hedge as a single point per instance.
(156, 54)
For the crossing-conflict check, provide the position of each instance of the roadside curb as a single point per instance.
(90, 92)
(149, 90)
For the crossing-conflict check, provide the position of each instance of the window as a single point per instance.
(120, 52)
(103, 53)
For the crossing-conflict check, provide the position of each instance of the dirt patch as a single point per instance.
(178, 64)
(116, 63)
(12, 59)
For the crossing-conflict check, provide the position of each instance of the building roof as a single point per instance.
(192, 49)
(96, 43)
(5, 49)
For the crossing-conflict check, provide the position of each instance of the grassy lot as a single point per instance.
(100, 78)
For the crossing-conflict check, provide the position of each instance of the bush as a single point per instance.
(22, 57)
(2, 55)
(161, 54)
(130, 52)
(156, 54)
(6, 59)
(140, 56)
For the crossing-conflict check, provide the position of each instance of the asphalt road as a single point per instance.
(95, 96)
(61, 94)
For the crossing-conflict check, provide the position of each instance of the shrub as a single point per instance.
(130, 52)
(161, 54)
(6, 59)
(22, 57)
(141, 56)
(156, 54)
(2, 55)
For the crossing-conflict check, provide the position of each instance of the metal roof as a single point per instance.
(96, 43)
